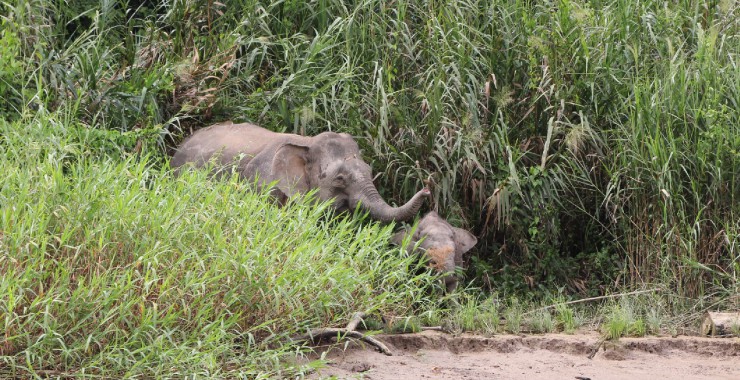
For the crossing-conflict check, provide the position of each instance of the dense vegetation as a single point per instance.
(114, 268)
(591, 145)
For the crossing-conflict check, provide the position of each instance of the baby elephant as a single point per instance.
(443, 244)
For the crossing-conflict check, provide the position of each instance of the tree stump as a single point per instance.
(721, 324)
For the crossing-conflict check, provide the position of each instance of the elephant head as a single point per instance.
(330, 162)
(443, 244)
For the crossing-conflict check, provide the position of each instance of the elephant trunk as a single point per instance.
(443, 259)
(451, 279)
(371, 201)
(451, 283)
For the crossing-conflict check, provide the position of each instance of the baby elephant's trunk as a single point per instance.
(451, 283)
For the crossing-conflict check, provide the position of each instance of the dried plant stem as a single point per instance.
(594, 299)
(432, 328)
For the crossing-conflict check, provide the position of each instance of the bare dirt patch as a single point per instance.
(436, 355)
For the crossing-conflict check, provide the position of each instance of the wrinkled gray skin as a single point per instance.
(443, 244)
(329, 161)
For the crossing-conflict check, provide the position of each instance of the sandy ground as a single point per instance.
(436, 355)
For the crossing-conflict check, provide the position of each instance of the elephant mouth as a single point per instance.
(340, 205)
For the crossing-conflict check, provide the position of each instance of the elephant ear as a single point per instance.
(289, 168)
(464, 240)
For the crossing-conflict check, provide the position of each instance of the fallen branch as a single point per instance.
(316, 335)
(594, 299)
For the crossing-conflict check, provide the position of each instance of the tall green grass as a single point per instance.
(113, 268)
(589, 144)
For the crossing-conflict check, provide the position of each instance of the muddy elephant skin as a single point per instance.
(443, 244)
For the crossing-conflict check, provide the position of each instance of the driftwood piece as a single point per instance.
(717, 324)
(316, 335)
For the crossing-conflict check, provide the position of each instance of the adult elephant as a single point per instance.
(329, 162)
